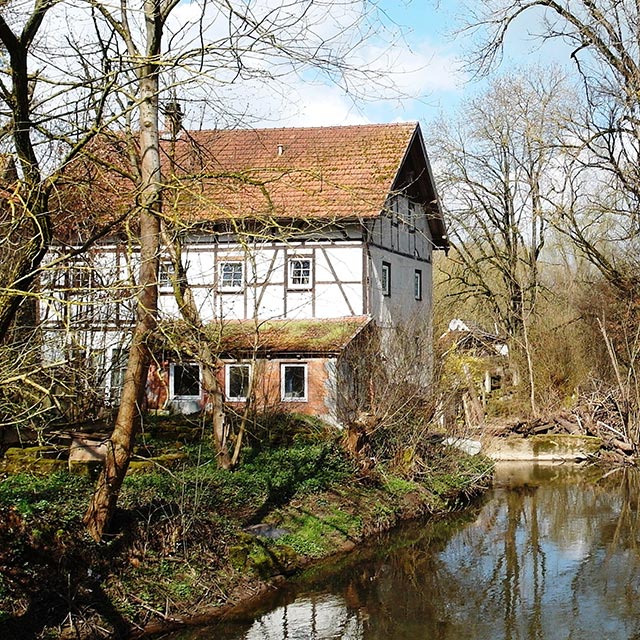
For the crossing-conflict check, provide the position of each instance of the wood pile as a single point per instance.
(601, 417)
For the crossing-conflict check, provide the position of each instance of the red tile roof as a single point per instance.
(324, 172)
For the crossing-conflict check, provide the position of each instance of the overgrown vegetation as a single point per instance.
(184, 539)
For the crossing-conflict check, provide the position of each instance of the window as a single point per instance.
(80, 277)
(293, 382)
(300, 273)
(117, 369)
(231, 276)
(411, 215)
(394, 206)
(417, 284)
(185, 381)
(165, 275)
(237, 382)
(385, 279)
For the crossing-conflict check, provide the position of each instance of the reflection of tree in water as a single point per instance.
(540, 561)
(520, 568)
(315, 617)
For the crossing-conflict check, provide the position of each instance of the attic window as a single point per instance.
(393, 210)
(411, 215)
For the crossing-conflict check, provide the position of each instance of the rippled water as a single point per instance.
(552, 553)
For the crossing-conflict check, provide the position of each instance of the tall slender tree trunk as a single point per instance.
(122, 440)
(204, 352)
(35, 196)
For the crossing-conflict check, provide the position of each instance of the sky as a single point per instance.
(426, 67)
(412, 48)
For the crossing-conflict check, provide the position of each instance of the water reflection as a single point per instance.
(551, 554)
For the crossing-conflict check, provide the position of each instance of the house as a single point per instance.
(296, 240)
(477, 363)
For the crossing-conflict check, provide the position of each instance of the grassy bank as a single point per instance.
(191, 539)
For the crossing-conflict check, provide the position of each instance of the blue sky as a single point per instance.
(433, 81)
(409, 46)
(413, 49)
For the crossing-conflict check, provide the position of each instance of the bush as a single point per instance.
(268, 477)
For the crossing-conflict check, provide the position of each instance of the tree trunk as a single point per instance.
(35, 196)
(202, 345)
(220, 428)
(121, 442)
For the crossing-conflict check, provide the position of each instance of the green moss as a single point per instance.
(32, 453)
(262, 556)
(41, 460)
(564, 444)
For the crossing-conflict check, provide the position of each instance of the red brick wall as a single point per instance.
(267, 387)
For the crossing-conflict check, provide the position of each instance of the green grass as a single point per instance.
(316, 535)
(59, 498)
(398, 486)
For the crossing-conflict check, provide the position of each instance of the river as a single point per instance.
(552, 552)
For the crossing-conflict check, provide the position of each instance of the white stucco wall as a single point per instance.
(406, 248)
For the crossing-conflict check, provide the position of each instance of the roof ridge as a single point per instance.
(411, 123)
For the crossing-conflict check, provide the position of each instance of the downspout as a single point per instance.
(366, 271)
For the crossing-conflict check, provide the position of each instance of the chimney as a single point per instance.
(174, 116)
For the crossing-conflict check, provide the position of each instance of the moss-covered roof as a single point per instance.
(318, 336)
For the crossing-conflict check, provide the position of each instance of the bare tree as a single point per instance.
(35, 118)
(602, 41)
(498, 164)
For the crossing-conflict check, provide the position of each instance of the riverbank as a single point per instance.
(192, 541)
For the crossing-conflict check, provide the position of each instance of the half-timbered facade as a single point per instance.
(333, 226)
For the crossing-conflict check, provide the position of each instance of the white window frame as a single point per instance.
(385, 278)
(283, 367)
(221, 280)
(417, 284)
(172, 381)
(227, 381)
(300, 285)
(81, 278)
